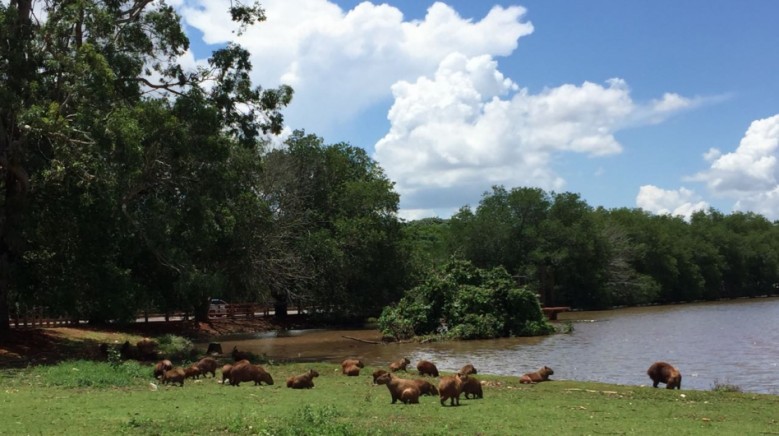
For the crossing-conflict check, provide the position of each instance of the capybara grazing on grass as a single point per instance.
(352, 371)
(399, 365)
(471, 386)
(467, 370)
(425, 387)
(426, 367)
(161, 367)
(351, 362)
(450, 388)
(303, 381)
(400, 389)
(661, 372)
(206, 365)
(192, 371)
(240, 355)
(538, 376)
(245, 371)
(175, 375)
(226, 372)
(378, 373)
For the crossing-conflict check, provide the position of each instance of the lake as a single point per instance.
(734, 342)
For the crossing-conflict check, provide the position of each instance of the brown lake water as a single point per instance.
(733, 342)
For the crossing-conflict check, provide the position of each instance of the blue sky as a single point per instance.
(672, 106)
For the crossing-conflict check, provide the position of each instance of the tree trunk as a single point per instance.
(280, 309)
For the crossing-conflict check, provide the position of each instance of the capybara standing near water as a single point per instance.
(400, 389)
(538, 376)
(426, 367)
(450, 388)
(303, 381)
(467, 370)
(245, 371)
(425, 387)
(471, 386)
(161, 367)
(661, 372)
(175, 375)
(206, 365)
(399, 365)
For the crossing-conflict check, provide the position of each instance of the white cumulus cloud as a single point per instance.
(682, 202)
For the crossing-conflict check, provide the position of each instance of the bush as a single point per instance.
(464, 302)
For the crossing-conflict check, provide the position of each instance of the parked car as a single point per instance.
(217, 307)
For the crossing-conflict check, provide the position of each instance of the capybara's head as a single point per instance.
(406, 361)
(384, 378)
(546, 371)
(312, 373)
(468, 369)
(266, 377)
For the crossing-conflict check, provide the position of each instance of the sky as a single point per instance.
(669, 106)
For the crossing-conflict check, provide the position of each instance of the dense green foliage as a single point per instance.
(35, 402)
(464, 302)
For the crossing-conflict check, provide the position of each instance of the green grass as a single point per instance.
(84, 397)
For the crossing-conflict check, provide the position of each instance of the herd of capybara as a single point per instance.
(408, 391)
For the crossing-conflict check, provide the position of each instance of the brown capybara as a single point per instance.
(162, 366)
(426, 367)
(206, 365)
(378, 373)
(352, 371)
(467, 370)
(303, 381)
(399, 365)
(425, 387)
(192, 371)
(351, 362)
(245, 371)
(240, 355)
(661, 372)
(538, 376)
(175, 375)
(471, 386)
(400, 389)
(450, 388)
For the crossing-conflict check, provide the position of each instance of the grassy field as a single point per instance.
(84, 397)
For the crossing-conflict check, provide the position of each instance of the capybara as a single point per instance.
(175, 375)
(378, 373)
(471, 386)
(351, 362)
(661, 372)
(425, 387)
(161, 367)
(240, 355)
(399, 365)
(226, 372)
(426, 367)
(302, 381)
(400, 389)
(192, 371)
(352, 371)
(538, 376)
(450, 388)
(467, 370)
(245, 371)
(206, 365)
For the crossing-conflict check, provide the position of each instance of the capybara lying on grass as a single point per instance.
(399, 365)
(161, 367)
(471, 386)
(302, 381)
(404, 390)
(538, 376)
(450, 388)
(426, 367)
(661, 372)
(467, 370)
(425, 387)
(245, 371)
(206, 365)
(378, 373)
(351, 362)
(175, 375)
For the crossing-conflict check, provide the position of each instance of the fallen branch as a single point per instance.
(362, 340)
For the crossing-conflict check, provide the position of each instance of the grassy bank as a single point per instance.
(84, 397)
